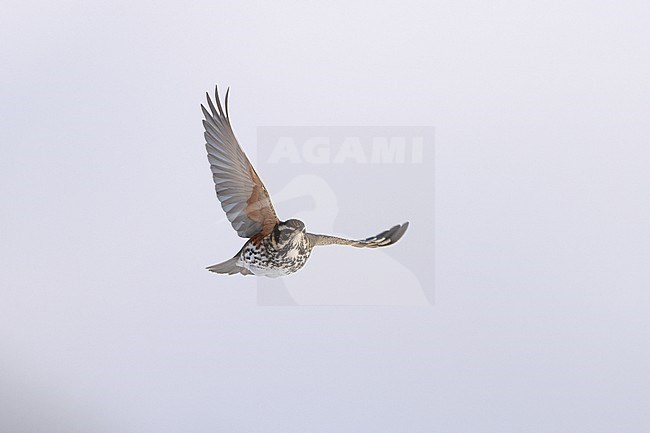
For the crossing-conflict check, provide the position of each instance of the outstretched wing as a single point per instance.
(383, 239)
(241, 192)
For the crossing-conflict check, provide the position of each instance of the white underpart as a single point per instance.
(292, 254)
(261, 272)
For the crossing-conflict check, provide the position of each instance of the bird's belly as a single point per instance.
(273, 264)
(266, 271)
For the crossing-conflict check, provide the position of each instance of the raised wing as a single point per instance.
(383, 239)
(241, 192)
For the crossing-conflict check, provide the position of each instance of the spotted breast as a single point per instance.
(282, 253)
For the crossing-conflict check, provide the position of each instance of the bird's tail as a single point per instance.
(229, 267)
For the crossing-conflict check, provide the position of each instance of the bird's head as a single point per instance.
(288, 231)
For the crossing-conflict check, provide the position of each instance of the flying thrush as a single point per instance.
(274, 248)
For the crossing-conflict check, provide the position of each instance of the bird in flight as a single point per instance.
(274, 248)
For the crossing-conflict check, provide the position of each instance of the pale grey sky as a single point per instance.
(109, 322)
